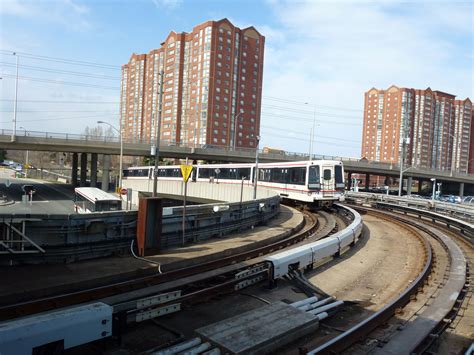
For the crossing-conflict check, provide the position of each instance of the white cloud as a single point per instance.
(330, 53)
(68, 13)
(167, 4)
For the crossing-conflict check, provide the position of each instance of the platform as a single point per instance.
(23, 282)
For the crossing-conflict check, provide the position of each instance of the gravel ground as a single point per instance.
(383, 264)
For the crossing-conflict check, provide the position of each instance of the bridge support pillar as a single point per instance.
(105, 172)
(367, 182)
(349, 180)
(409, 183)
(83, 169)
(74, 169)
(93, 169)
(420, 185)
(461, 189)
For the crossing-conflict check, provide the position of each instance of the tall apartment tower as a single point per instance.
(212, 88)
(433, 125)
(471, 150)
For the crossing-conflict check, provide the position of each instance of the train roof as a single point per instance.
(94, 194)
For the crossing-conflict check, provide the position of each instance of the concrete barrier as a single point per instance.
(206, 190)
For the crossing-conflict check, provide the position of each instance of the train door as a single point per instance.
(327, 180)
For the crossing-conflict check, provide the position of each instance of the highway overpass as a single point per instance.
(72, 143)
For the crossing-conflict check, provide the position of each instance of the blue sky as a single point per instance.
(323, 53)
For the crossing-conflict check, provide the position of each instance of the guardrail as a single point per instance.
(464, 212)
(462, 225)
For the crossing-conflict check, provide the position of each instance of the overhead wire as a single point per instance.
(60, 82)
(59, 71)
(60, 60)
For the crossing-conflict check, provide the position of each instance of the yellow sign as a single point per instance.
(186, 172)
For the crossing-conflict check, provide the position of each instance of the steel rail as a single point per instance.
(362, 329)
(80, 296)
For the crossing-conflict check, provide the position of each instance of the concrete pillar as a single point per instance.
(409, 183)
(74, 170)
(83, 169)
(93, 169)
(349, 180)
(367, 181)
(420, 185)
(105, 172)
(461, 189)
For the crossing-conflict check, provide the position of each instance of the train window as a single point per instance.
(313, 176)
(279, 175)
(243, 172)
(338, 176)
(327, 174)
(297, 176)
(264, 175)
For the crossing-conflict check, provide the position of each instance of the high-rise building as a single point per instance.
(212, 88)
(432, 127)
(471, 150)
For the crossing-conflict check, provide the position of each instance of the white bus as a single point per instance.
(91, 199)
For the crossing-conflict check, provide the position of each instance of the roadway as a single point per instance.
(49, 198)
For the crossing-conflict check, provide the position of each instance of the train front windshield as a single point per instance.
(314, 177)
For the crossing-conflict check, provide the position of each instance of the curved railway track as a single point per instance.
(312, 229)
(415, 338)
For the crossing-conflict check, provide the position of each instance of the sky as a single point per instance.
(320, 58)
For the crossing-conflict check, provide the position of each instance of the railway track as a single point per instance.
(150, 284)
(440, 310)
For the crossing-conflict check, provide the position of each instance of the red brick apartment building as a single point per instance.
(436, 126)
(212, 87)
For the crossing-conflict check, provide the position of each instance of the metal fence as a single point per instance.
(461, 211)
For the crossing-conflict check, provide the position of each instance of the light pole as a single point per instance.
(257, 139)
(158, 133)
(235, 129)
(405, 141)
(26, 157)
(121, 149)
(16, 100)
(311, 135)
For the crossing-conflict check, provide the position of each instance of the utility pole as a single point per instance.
(16, 100)
(257, 138)
(405, 141)
(158, 133)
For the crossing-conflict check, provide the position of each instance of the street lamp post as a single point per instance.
(311, 135)
(235, 129)
(158, 134)
(405, 141)
(26, 157)
(257, 139)
(121, 149)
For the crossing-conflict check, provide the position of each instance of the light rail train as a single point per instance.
(319, 182)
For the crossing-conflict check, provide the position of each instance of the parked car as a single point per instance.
(450, 198)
